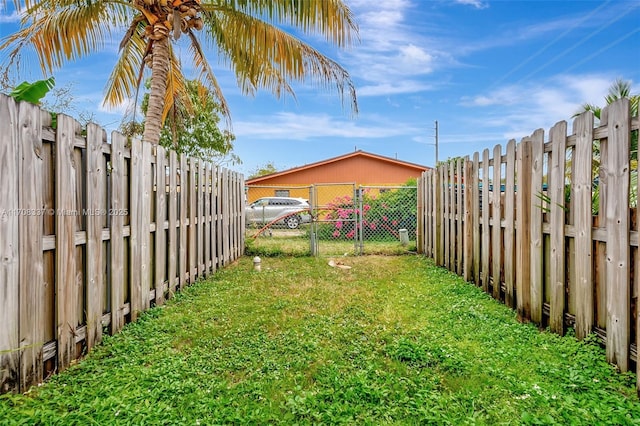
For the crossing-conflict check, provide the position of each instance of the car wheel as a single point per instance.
(292, 222)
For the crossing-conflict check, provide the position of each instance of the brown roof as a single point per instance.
(357, 153)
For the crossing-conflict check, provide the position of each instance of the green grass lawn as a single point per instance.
(394, 340)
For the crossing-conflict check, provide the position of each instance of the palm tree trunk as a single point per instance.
(159, 72)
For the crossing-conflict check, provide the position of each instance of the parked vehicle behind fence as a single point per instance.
(292, 211)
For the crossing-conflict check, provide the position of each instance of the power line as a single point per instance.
(552, 42)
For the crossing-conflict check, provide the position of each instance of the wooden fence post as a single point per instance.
(485, 202)
(137, 231)
(535, 226)
(523, 223)
(95, 215)
(469, 184)
(31, 230)
(558, 136)
(509, 228)
(118, 194)
(9, 244)
(617, 213)
(582, 210)
(496, 230)
(66, 209)
(160, 247)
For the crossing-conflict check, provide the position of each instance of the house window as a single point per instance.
(282, 193)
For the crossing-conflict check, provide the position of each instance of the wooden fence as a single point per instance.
(93, 233)
(548, 227)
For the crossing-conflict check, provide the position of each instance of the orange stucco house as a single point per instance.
(334, 176)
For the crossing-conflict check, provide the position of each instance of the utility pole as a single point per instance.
(436, 143)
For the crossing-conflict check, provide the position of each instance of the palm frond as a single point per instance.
(126, 74)
(263, 56)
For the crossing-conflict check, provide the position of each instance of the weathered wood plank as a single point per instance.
(475, 194)
(94, 215)
(118, 210)
(581, 209)
(225, 217)
(459, 190)
(558, 136)
(137, 230)
(447, 215)
(9, 244)
(618, 256)
(219, 223)
(172, 246)
(67, 210)
(485, 202)
(214, 218)
(182, 246)
(193, 205)
(496, 230)
(523, 224)
(144, 222)
(159, 262)
(535, 226)
(31, 230)
(509, 227)
(468, 181)
(200, 219)
(438, 211)
(207, 218)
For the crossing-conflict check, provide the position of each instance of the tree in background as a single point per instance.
(247, 35)
(192, 130)
(263, 170)
(619, 89)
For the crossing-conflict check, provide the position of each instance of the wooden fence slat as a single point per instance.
(447, 215)
(452, 216)
(136, 228)
(144, 221)
(160, 216)
(214, 218)
(439, 216)
(94, 215)
(523, 223)
(581, 200)
(618, 256)
(475, 194)
(219, 229)
(558, 136)
(66, 211)
(459, 188)
(172, 246)
(485, 202)
(200, 219)
(118, 280)
(225, 217)
(31, 229)
(535, 226)
(9, 244)
(207, 219)
(509, 228)
(193, 205)
(182, 246)
(496, 230)
(468, 183)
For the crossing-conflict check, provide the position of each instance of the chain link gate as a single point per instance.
(387, 219)
(334, 229)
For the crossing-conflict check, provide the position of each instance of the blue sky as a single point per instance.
(488, 71)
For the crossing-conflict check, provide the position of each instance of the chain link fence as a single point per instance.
(344, 220)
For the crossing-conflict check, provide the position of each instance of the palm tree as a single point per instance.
(262, 55)
(619, 89)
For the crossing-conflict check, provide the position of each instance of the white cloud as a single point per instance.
(520, 109)
(290, 126)
(475, 3)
